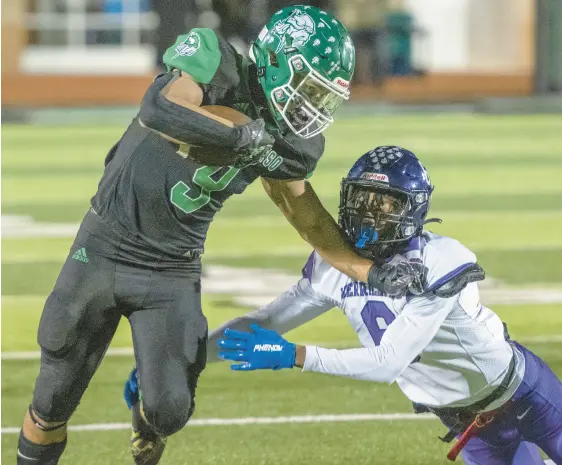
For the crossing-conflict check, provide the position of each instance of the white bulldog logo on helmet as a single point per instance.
(299, 26)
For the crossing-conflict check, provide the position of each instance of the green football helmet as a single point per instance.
(305, 60)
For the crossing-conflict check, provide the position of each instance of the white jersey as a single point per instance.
(440, 351)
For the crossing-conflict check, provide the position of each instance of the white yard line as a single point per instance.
(343, 418)
(216, 254)
(293, 251)
(128, 351)
(36, 355)
(24, 226)
(261, 421)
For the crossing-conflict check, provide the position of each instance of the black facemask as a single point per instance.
(374, 219)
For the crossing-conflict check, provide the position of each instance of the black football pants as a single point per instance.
(102, 280)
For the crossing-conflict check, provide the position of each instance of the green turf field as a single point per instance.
(498, 190)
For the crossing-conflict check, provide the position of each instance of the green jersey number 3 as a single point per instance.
(190, 199)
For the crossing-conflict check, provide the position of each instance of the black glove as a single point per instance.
(396, 280)
(252, 135)
(418, 273)
(253, 143)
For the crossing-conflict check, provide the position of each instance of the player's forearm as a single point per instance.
(324, 235)
(368, 364)
(300, 356)
(181, 121)
(302, 207)
(402, 343)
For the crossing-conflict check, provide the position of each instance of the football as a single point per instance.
(235, 117)
(212, 156)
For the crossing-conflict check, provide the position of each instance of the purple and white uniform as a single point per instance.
(442, 352)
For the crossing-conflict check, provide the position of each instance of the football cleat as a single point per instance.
(147, 447)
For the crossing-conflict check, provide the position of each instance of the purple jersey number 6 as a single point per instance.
(377, 317)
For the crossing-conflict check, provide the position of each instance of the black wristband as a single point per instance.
(183, 124)
(252, 136)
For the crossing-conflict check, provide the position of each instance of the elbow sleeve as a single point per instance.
(181, 123)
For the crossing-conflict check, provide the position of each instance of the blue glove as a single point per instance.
(132, 392)
(260, 349)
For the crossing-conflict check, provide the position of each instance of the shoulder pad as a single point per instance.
(468, 274)
(197, 53)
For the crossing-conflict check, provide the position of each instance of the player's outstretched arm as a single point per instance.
(400, 345)
(301, 206)
(292, 309)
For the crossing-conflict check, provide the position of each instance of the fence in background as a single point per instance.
(100, 52)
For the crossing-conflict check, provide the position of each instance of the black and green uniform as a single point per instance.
(137, 251)
(169, 201)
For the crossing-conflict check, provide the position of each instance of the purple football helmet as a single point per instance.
(384, 201)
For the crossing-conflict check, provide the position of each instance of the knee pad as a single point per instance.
(30, 453)
(50, 406)
(59, 387)
(168, 416)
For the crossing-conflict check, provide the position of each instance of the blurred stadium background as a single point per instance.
(474, 87)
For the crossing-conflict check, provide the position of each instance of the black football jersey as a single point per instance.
(157, 193)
